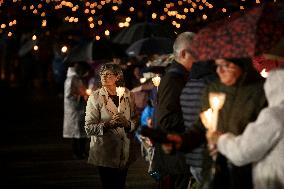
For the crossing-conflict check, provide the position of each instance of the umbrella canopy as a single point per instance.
(150, 46)
(81, 52)
(142, 30)
(277, 52)
(242, 35)
(88, 50)
(26, 44)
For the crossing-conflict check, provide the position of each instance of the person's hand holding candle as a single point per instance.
(119, 92)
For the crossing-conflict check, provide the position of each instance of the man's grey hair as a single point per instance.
(182, 41)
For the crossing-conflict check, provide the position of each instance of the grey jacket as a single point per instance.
(109, 147)
(262, 142)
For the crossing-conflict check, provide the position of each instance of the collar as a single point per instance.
(103, 92)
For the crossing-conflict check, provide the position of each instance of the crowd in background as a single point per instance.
(245, 151)
(192, 157)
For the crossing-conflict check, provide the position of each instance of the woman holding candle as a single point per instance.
(111, 121)
(243, 88)
(262, 142)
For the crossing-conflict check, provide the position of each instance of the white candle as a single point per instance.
(156, 81)
(206, 118)
(88, 92)
(264, 73)
(119, 92)
(216, 101)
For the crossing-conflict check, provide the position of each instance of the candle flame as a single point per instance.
(264, 73)
(207, 118)
(216, 100)
(88, 92)
(156, 80)
(120, 91)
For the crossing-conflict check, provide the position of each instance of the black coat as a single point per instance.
(170, 119)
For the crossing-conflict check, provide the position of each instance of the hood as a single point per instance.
(274, 87)
(250, 74)
(71, 72)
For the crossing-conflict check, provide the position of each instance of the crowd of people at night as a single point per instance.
(244, 151)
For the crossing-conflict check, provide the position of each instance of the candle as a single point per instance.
(119, 92)
(156, 81)
(264, 73)
(88, 92)
(206, 118)
(216, 101)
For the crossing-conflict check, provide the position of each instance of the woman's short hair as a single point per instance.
(116, 70)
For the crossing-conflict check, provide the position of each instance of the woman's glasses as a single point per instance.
(225, 66)
(107, 74)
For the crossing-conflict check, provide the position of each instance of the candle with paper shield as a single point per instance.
(119, 92)
(216, 101)
(206, 118)
(156, 81)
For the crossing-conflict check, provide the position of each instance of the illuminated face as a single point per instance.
(108, 78)
(228, 72)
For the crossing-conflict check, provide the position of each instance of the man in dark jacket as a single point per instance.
(175, 172)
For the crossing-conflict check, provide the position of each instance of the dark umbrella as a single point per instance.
(106, 50)
(81, 52)
(26, 44)
(242, 35)
(150, 46)
(89, 49)
(277, 52)
(142, 30)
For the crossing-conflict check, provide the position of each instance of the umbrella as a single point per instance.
(242, 35)
(277, 52)
(105, 49)
(26, 45)
(81, 52)
(88, 50)
(142, 30)
(150, 46)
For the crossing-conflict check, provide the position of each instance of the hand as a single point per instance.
(175, 142)
(176, 139)
(150, 122)
(213, 150)
(212, 139)
(213, 136)
(114, 122)
(167, 148)
(122, 121)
